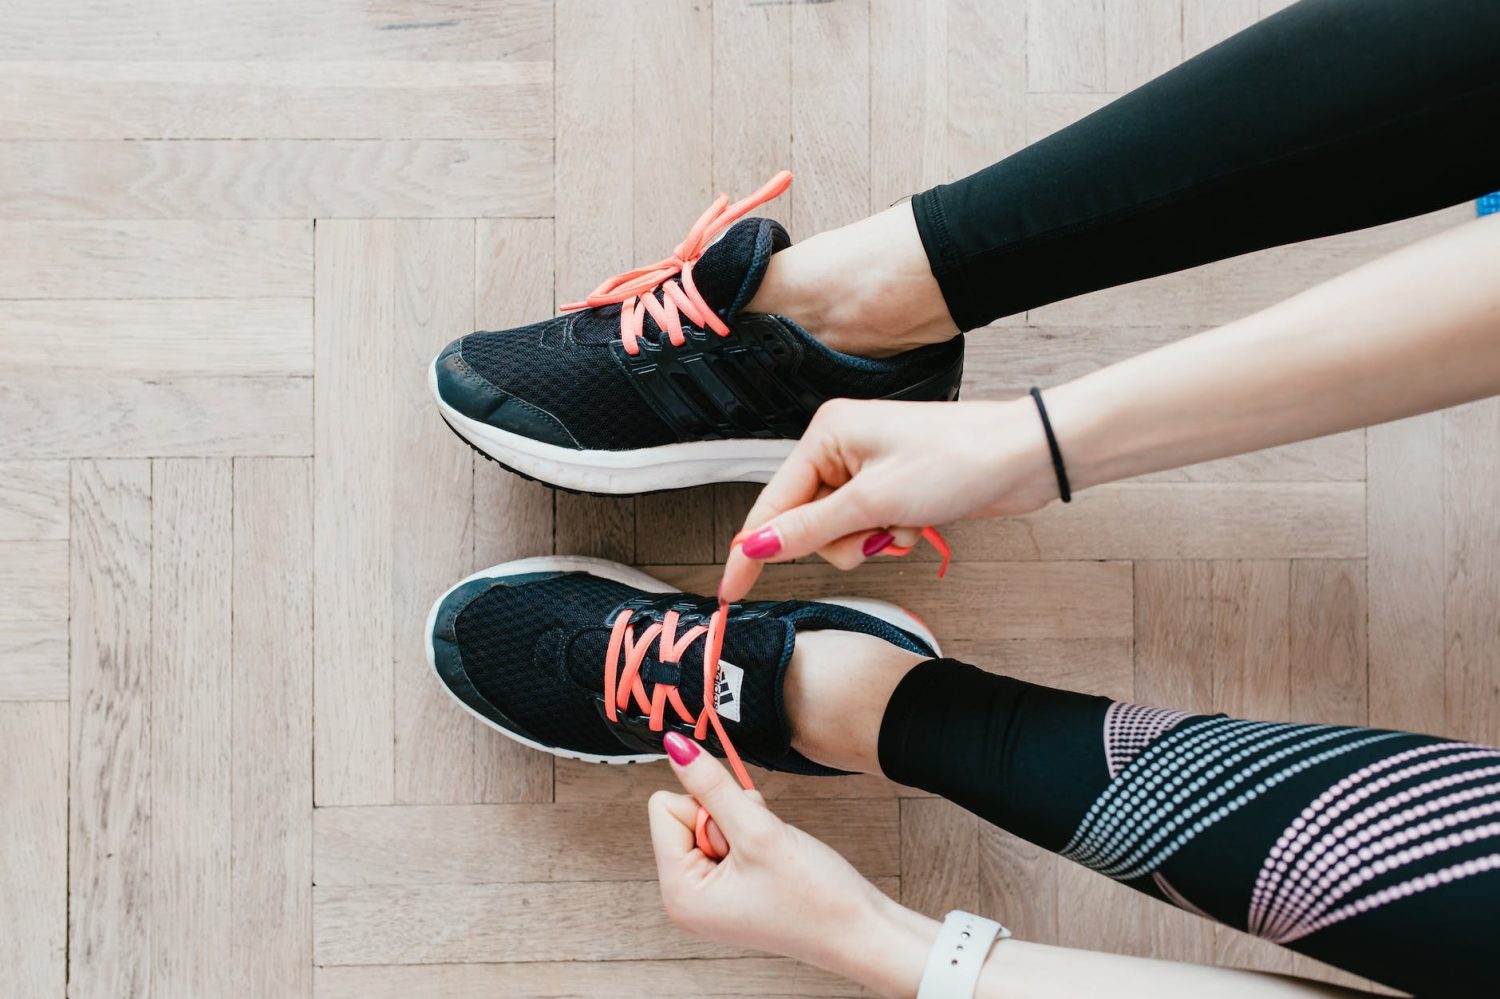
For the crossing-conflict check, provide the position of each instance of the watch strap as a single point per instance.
(958, 955)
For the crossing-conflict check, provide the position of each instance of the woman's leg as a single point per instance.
(1376, 851)
(1329, 116)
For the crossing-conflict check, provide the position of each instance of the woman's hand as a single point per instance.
(869, 475)
(779, 889)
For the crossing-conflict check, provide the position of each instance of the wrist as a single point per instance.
(1091, 434)
(885, 950)
(1015, 456)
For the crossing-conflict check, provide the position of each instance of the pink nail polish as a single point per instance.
(681, 749)
(877, 542)
(764, 543)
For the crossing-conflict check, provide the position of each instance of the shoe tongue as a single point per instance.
(730, 271)
(751, 666)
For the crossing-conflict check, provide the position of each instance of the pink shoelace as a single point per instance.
(636, 290)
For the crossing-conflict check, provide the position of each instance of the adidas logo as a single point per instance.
(727, 691)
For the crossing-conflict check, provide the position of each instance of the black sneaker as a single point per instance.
(607, 400)
(534, 647)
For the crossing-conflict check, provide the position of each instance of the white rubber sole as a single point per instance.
(671, 466)
(614, 571)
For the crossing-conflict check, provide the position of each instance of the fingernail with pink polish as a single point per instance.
(877, 542)
(762, 544)
(681, 749)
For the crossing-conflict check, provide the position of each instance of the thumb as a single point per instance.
(706, 779)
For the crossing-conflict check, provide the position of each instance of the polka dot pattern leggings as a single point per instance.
(1376, 851)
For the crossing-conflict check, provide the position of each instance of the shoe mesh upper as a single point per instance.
(510, 639)
(551, 365)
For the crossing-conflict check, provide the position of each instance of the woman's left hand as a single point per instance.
(778, 890)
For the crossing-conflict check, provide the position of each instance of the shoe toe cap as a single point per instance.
(467, 393)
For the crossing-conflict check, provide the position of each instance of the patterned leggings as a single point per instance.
(1376, 851)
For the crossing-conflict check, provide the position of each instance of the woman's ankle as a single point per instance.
(837, 686)
(864, 289)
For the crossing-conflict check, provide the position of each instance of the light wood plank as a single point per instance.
(939, 857)
(981, 600)
(1174, 635)
(830, 115)
(109, 787)
(909, 109)
(1206, 23)
(513, 518)
(355, 516)
(1065, 49)
(271, 767)
(1142, 40)
(752, 73)
(986, 82)
(595, 212)
(1471, 495)
(433, 504)
(1099, 914)
(1177, 520)
(157, 339)
(175, 259)
(1406, 574)
(460, 923)
(33, 581)
(1103, 666)
(34, 660)
(750, 976)
(1018, 885)
(255, 29)
(56, 416)
(281, 99)
(1329, 673)
(1251, 639)
(227, 179)
(34, 847)
(191, 708)
(521, 843)
(33, 500)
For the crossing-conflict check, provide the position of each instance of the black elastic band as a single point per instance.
(1063, 490)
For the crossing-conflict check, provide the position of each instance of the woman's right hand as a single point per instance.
(870, 474)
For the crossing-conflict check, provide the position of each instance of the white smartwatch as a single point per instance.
(958, 955)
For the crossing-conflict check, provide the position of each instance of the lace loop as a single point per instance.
(635, 290)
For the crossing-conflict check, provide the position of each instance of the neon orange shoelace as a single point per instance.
(636, 290)
(627, 654)
(623, 682)
(936, 540)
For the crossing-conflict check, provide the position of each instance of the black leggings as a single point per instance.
(1376, 851)
(1330, 116)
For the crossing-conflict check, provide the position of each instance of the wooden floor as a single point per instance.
(231, 238)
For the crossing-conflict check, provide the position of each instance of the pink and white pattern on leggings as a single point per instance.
(1398, 818)
(1130, 728)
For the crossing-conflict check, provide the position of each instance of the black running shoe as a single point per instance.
(661, 380)
(596, 661)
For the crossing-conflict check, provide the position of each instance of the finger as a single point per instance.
(671, 817)
(799, 479)
(903, 538)
(706, 779)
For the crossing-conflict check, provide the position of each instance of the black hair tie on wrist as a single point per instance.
(1063, 490)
